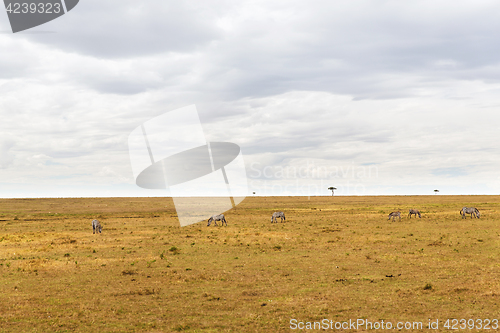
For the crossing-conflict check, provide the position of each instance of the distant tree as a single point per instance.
(436, 191)
(253, 193)
(332, 189)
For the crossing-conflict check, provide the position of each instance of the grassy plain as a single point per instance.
(337, 258)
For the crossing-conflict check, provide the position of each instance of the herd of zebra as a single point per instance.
(220, 217)
(97, 228)
(473, 211)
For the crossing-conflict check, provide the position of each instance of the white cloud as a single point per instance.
(409, 88)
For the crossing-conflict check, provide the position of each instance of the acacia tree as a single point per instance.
(436, 191)
(332, 189)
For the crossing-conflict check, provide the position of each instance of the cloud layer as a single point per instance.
(408, 88)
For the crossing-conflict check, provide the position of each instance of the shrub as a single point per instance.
(174, 250)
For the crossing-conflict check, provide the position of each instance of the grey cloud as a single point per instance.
(264, 75)
(120, 87)
(364, 49)
(126, 28)
(229, 51)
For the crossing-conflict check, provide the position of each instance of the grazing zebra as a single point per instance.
(394, 214)
(473, 211)
(277, 215)
(216, 218)
(416, 212)
(96, 226)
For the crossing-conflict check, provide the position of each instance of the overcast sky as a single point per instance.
(372, 97)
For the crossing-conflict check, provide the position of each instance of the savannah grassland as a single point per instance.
(335, 257)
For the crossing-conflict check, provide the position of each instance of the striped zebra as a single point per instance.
(277, 215)
(473, 211)
(414, 211)
(96, 227)
(394, 215)
(216, 218)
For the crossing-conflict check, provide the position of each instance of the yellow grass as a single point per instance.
(335, 258)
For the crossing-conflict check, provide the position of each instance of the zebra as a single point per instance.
(473, 211)
(216, 218)
(96, 226)
(277, 215)
(394, 214)
(414, 211)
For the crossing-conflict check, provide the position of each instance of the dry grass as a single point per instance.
(335, 257)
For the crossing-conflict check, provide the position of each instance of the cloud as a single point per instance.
(125, 28)
(227, 51)
(409, 88)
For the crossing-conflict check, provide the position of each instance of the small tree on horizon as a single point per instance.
(436, 191)
(332, 189)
